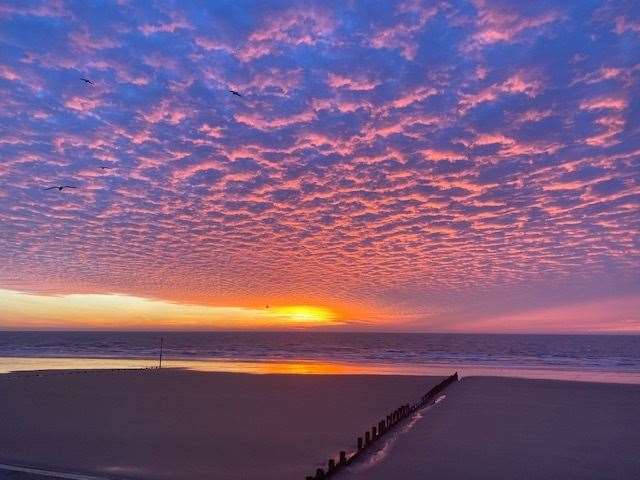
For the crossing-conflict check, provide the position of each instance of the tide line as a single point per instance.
(50, 473)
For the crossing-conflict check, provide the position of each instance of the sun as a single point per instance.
(304, 314)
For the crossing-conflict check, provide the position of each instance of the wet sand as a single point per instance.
(174, 424)
(502, 428)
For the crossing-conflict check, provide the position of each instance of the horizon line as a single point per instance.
(319, 331)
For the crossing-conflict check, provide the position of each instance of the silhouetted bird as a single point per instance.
(233, 92)
(104, 167)
(86, 80)
(467, 150)
(61, 187)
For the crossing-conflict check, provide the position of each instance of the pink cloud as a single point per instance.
(497, 24)
(609, 315)
(606, 103)
(415, 96)
(401, 36)
(82, 104)
(297, 26)
(612, 125)
(603, 74)
(163, 112)
(51, 8)
(84, 41)
(8, 73)
(623, 25)
(123, 72)
(343, 106)
(533, 115)
(177, 23)
(212, 44)
(518, 83)
(215, 132)
(263, 123)
(360, 83)
(274, 79)
(433, 154)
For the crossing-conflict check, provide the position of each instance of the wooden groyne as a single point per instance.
(380, 430)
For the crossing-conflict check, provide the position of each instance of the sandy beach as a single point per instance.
(176, 424)
(506, 428)
(173, 424)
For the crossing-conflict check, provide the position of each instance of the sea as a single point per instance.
(602, 358)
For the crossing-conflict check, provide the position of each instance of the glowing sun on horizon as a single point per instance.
(304, 314)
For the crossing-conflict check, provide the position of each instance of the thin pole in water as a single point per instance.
(161, 342)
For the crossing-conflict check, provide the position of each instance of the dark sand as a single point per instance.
(21, 476)
(190, 425)
(502, 428)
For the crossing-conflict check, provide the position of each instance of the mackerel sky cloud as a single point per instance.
(407, 165)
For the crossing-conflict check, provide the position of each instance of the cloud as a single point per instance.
(357, 84)
(606, 103)
(262, 123)
(82, 104)
(518, 83)
(291, 28)
(412, 18)
(502, 23)
(602, 316)
(8, 73)
(395, 163)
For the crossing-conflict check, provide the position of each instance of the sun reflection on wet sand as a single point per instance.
(312, 367)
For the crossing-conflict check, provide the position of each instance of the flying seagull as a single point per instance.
(467, 149)
(233, 92)
(61, 187)
(86, 80)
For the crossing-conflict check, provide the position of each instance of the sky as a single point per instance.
(462, 166)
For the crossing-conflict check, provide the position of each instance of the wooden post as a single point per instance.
(161, 342)
(370, 436)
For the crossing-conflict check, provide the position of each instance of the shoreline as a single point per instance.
(9, 364)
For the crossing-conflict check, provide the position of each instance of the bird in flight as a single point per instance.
(61, 187)
(233, 92)
(104, 167)
(86, 80)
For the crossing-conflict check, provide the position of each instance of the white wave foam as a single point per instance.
(381, 451)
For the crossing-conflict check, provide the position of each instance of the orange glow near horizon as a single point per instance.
(115, 311)
(118, 311)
